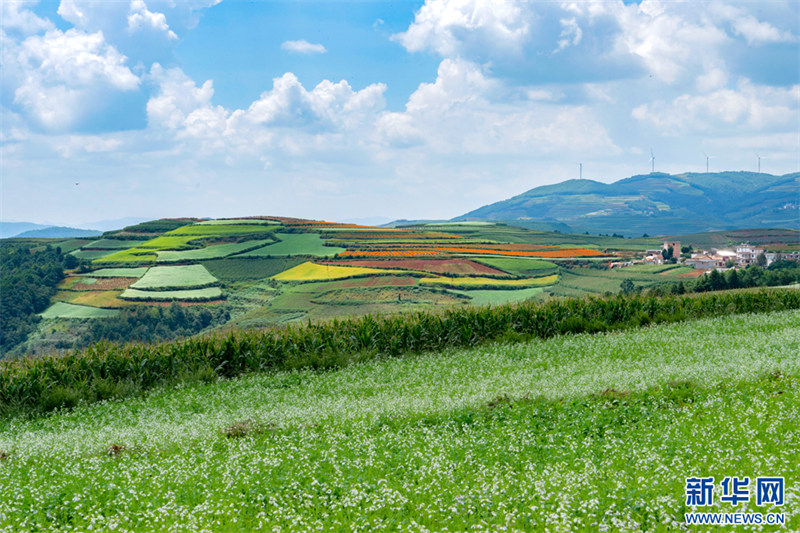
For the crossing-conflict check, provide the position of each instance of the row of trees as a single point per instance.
(779, 273)
(150, 324)
(29, 277)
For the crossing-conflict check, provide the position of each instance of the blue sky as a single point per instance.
(345, 110)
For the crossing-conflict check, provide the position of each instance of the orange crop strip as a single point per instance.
(564, 252)
(522, 247)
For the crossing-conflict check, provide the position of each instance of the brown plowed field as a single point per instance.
(434, 266)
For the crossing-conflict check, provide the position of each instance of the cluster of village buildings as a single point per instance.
(718, 259)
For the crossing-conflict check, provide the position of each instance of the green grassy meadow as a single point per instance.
(67, 310)
(572, 433)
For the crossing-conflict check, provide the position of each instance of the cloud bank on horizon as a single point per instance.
(425, 110)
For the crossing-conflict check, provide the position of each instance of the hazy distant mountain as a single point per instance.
(32, 230)
(658, 203)
(12, 229)
(58, 232)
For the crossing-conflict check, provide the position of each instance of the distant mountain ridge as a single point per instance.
(58, 232)
(657, 204)
(12, 229)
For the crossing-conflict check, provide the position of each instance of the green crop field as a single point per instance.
(210, 252)
(494, 297)
(591, 284)
(518, 266)
(237, 221)
(218, 230)
(168, 277)
(651, 269)
(118, 272)
(574, 433)
(208, 293)
(169, 242)
(113, 244)
(295, 244)
(69, 245)
(67, 310)
(249, 268)
(131, 255)
(91, 254)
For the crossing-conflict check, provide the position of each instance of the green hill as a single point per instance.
(658, 203)
(58, 232)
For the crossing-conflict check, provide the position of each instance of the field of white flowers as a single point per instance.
(584, 432)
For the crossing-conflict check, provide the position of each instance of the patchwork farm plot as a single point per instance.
(269, 270)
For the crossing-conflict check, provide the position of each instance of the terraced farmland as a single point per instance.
(210, 252)
(257, 266)
(217, 230)
(455, 267)
(295, 244)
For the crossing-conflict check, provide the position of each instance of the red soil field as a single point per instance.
(391, 253)
(436, 266)
(693, 274)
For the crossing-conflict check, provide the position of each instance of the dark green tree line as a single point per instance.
(28, 276)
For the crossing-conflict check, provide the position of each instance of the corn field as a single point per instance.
(107, 370)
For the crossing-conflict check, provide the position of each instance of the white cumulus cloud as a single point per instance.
(15, 16)
(748, 26)
(63, 76)
(451, 27)
(177, 98)
(328, 105)
(302, 47)
(751, 106)
(139, 17)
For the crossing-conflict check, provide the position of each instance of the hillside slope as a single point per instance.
(659, 203)
(497, 437)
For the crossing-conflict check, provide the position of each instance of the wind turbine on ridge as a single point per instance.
(707, 158)
(652, 161)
